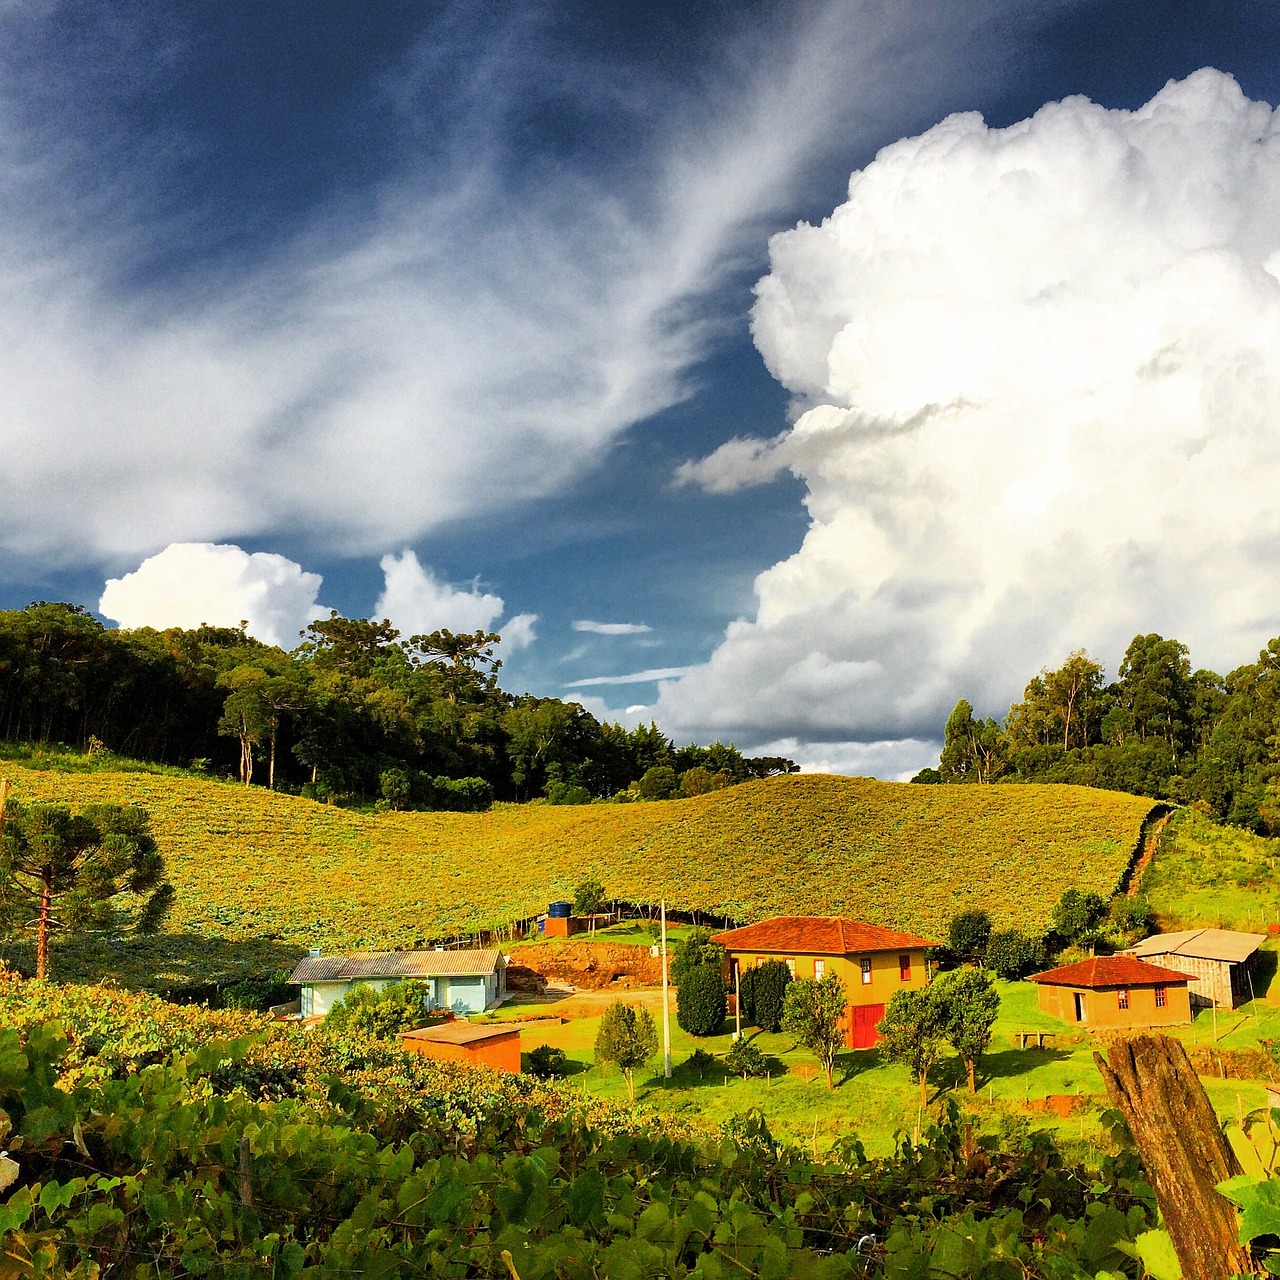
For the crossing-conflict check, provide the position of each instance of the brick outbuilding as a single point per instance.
(1114, 992)
(477, 1045)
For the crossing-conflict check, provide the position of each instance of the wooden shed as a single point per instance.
(477, 1045)
(1219, 962)
(872, 962)
(1112, 993)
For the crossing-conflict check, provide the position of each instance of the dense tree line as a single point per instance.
(1158, 729)
(357, 710)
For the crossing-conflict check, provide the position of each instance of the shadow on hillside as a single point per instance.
(182, 966)
(1004, 1064)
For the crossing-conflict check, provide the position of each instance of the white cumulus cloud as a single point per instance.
(190, 583)
(417, 602)
(1036, 372)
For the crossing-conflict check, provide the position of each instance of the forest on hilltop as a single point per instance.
(1159, 729)
(356, 711)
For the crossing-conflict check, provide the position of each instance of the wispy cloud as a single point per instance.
(634, 677)
(611, 628)
(369, 378)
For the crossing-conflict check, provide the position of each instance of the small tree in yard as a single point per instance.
(627, 1037)
(764, 993)
(60, 870)
(745, 1059)
(969, 1005)
(588, 897)
(968, 933)
(914, 1031)
(696, 950)
(700, 1001)
(814, 1012)
(381, 1012)
(1010, 954)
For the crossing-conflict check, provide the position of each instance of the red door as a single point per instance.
(862, 1025)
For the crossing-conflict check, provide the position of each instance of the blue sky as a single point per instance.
(329, 283)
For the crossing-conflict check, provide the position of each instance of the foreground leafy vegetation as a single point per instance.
(291, 873)
(196, 1163)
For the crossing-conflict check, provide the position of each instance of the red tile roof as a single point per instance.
(1111, 971)
(817, 936)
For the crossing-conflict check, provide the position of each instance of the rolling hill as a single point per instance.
(290, 873)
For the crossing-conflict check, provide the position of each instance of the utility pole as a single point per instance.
(666, 1000)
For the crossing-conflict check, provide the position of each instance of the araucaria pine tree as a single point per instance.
(75, 871)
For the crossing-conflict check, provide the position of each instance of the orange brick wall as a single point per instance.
(502, 1053)
(1102, 1006)
(560, 926)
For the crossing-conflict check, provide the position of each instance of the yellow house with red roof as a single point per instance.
(872, 962)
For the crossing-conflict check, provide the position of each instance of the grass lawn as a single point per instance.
(874, 1099)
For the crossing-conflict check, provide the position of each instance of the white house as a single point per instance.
(462, 981)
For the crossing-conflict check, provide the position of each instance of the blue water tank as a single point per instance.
(560, 910)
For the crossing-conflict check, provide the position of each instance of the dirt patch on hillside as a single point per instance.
(583, 965)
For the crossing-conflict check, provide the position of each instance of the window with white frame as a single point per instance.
(819, 968)
(866, 971)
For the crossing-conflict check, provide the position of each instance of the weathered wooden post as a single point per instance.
(1151, 1081)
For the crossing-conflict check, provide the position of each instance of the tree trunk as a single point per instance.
(924, 1088)
(44, 923)
(971, 1067)
(1151, 1082)
(271, 764)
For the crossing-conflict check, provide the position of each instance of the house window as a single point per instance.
(819, 968)
(904, 968)
(866, 971)
(1122, 998)
(791, 967)
(1160, 997)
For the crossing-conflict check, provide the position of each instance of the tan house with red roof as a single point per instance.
(1114, 992)
(872, 962)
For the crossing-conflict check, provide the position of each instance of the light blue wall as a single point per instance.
(463, 995)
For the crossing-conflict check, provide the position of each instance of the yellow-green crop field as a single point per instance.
(248, 863)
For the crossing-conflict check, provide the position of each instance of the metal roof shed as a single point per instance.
(1219, 962)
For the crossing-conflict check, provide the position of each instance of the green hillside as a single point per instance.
(1208, 875)
(290, 873)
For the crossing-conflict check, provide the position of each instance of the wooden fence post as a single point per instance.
(1151, 1081)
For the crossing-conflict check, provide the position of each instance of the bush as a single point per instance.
(659, 783)
(700, 1001)
(1012, 954)
(764, 992)
(546, 1062)
(566, 793)
(745, 1059)
(1130, 917)
(383, 1013)
(455, 795)
(968, 933)
(259, 993)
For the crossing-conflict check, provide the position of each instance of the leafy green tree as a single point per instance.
(589, 897)
(1062, 707)
(972, 750)
(914, 1031)
(1076, 915)
(628, 1038)
(969, 1005)
(694, 950)
(764, 993)
(700, 1001)
(381, 1012)
(968, 932)
(1010, 954)
(814, 1012)
(60, 870)
(244, 717)
(659, 783)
